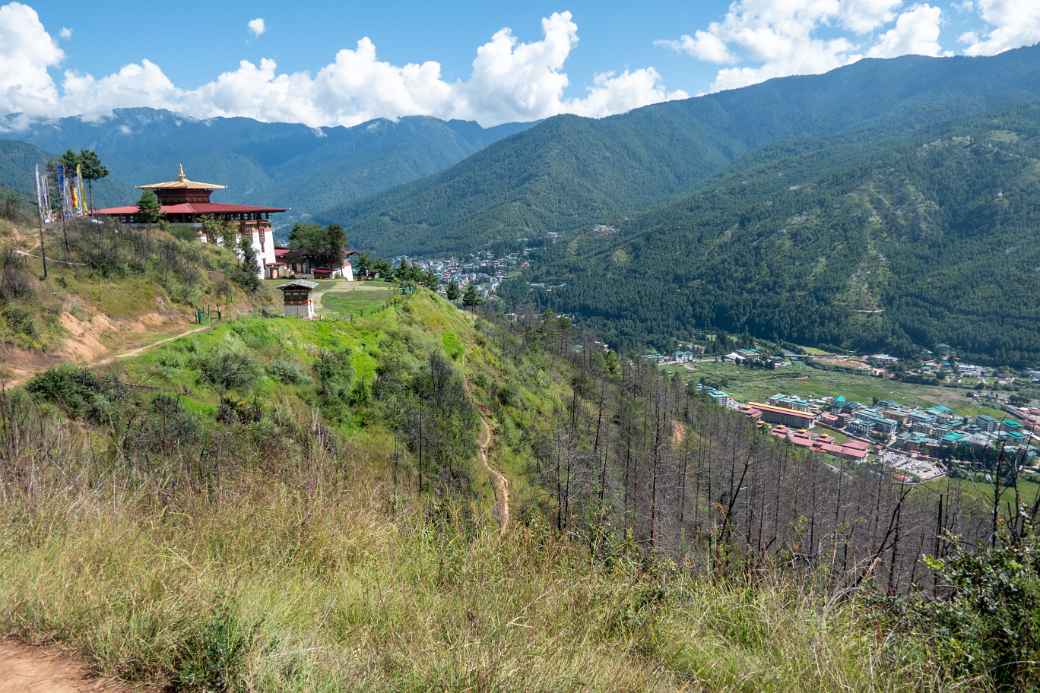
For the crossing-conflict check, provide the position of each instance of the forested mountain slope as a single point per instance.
(295, 166)
(856, 242)
(19, 159)
(16, 160)
(571, 173)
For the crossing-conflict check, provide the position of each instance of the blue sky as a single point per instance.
(491, 62)
(301, 36)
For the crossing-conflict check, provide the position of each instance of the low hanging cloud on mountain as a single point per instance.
(511, 80)
(757, 40)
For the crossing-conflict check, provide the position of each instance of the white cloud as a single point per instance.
(26, 52)
(65, 33)
(254, 91)
(916, 32)
(1012, 24)
(616, 93)
(510, 80)
(863, 16)
(257, 26)
(703, 45)
(758, 40)
(779, 37)
(136, 84)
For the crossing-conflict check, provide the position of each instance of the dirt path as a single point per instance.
(137, 351)
(501, 483)
(26, 669)
(23, 376)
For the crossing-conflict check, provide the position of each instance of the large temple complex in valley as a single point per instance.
(185, 201)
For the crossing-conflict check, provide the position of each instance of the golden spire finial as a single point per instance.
(180, 174)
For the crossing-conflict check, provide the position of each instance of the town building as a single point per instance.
(789, 402)
(986, 423)
(792, 418)
(286, 264)
(185, 201)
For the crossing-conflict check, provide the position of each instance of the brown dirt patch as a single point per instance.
(83, 342)
(48, 670)
(843, 362)
(19, 365)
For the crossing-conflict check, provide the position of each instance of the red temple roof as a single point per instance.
(191, 208)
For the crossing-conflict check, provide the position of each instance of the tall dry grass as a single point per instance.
(309, 572)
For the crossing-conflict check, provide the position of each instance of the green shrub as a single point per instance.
(988, 623)
(335, 374)
(79, 392)
(452, 345)
(231, 411)
(16, 281)
(20, 320)
(508, 395)
(214, 658)
(286, 372)
(183, 232)
(228, 370)
(165, 426)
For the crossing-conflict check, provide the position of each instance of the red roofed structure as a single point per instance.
(185, 201)
(780, 415)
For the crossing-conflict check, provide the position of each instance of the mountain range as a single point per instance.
(570, 173)
(304, 169)
(890, 204)
(880, 241)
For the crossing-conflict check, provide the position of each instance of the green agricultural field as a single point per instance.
(981, 492)
(748, 384)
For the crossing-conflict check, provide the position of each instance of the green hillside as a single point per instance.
(105, 291)
(570, 174)
(867, 242)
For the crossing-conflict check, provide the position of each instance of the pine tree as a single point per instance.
(248, 275)
(148, 208)
(92, 169)
(453, 290)
(471, 298)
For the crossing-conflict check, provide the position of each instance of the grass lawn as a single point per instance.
(345, 303)
(758, 385)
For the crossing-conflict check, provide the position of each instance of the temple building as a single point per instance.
(185, 201)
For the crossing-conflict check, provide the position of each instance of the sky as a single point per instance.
(325, 65)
